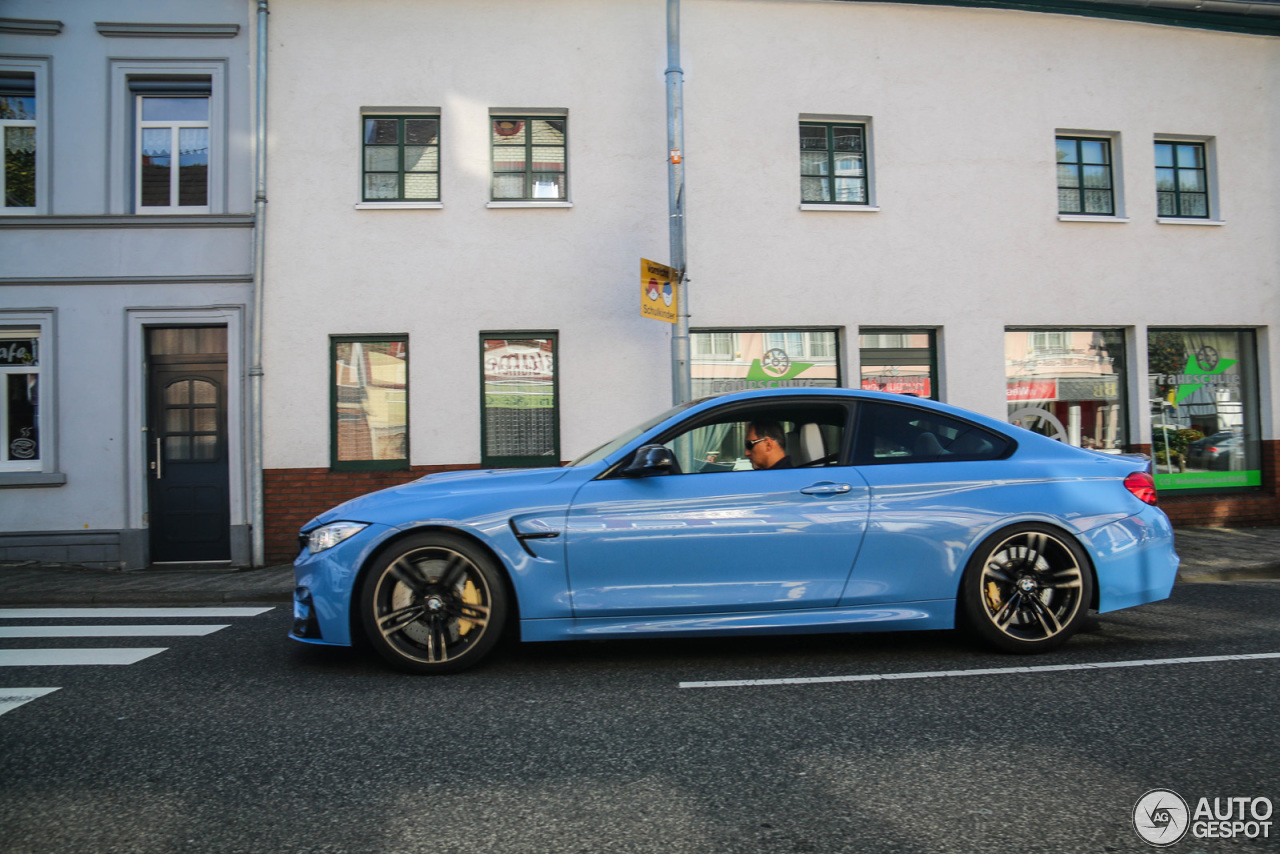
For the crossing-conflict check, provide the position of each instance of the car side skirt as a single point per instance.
(936, 614)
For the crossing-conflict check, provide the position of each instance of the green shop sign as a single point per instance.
(1208, 479)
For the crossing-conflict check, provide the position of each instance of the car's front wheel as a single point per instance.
(433, 603)
(1027, 589)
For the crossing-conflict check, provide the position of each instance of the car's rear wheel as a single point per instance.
(433, 603)
(1027, 589)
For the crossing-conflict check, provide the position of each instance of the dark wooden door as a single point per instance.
(189, 494)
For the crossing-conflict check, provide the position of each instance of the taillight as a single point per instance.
(1142, 486)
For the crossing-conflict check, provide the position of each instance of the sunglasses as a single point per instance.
(751, 443)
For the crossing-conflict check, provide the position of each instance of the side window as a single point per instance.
(888, 433)
(788, 436)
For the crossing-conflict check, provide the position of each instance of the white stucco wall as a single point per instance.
(963, 105)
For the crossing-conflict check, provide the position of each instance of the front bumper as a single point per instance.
(325, 588)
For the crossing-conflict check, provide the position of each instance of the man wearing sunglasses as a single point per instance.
(767, 445)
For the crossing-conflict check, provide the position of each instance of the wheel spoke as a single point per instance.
(409, 574)
(1034, 549)
(472, 613)
(1005, 615)
(396, 621)
(454, 571)
(1070, 579)
(1046, 616)
(996, 570)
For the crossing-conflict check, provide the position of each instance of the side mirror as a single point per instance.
(651, 460)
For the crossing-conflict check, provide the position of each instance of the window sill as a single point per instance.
(1163, 220)
(399, 206)
(17, 480)
(847, 208)
(1090, 218)
(530, 203)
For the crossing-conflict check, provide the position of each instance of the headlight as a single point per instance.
(328, 536)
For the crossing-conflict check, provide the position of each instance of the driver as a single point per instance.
(767, 445)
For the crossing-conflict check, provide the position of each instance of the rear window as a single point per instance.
(890, 433)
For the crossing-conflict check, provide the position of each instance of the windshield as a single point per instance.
(609, 447)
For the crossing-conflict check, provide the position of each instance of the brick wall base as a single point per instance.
(294, 496)
(291, 497)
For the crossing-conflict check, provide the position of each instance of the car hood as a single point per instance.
(385, 504)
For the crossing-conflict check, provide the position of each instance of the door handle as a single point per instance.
(159, 464)
(827, 488)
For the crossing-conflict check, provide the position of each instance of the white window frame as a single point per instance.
(39, 70)
(872, 205)
(39, 324)
(1117, 175)
(123, 133)
(175, 128)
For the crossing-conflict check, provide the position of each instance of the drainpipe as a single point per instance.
(681, 384)
(256, 514)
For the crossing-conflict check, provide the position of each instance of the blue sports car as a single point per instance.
(781, 511)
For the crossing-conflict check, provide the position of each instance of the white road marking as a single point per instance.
(56, 657)
(11, 698)
(985, 671)
(107, 631)
(124, 613)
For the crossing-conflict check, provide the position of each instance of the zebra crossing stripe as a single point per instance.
(11, 698)
(56, 657)
(125, 613)
(153, 631)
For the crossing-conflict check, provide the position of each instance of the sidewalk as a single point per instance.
(1208, 554)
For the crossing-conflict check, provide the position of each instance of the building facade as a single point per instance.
(126, 276)
(1065, 220)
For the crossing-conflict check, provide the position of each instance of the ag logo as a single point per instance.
(1161, 817)
(776, 362)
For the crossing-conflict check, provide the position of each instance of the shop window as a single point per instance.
(763, 358)
(530, 160)
(520, 417)
(899, 361)
(26, 420)
(401, 158)
(18, 110)
(833, 163)
(1085, 177)
(1203, 389)
(1182, 180)
(1068, 384)
(369, 416)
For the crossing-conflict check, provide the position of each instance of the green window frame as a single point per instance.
(400, 158)
(529, 157)
(1182, 179)
(833, 163)
(1086, 183)
(369, 402)
(519, 399)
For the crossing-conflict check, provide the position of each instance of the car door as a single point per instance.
(719, 537)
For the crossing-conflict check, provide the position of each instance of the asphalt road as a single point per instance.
(243, 741)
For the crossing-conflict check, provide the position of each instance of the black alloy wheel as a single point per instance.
(1027, 589)
(433, 603)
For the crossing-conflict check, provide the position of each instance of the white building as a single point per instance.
(125, 281)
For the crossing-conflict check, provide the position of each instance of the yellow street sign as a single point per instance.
(658, 291)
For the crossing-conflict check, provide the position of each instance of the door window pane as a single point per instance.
(370, 427)
(1203, 390)
(520, 421)
(1068, 384)
(729, 360)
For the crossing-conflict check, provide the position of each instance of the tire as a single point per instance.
(1027, 589)
(433, 603)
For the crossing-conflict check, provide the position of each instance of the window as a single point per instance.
(1085, 183)
(18, 125)
(529, 158)
(369, 415)
(1068, 384)
(899, 361)
(833, 163)
(23, 430)
(727, 360)
(1203, 387)
(401, 158)
(1182, 180)
(172, 163)
(807, 434)
(520, 420)
(889, 433)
